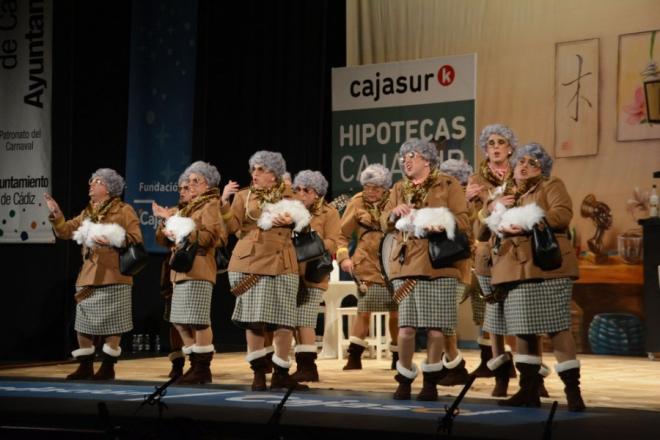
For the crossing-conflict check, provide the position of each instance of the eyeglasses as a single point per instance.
(184, 188)
(96, 181)
(194, 181)
(408, 156)
(498, 142)
(301, 189)
(534, 163)
(371, 187)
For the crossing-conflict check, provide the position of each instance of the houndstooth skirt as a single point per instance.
(106, 312)
(191, 302)
(272, 301)
(494, 314)
(377, 299)
(533, 308)
(308, 308)
(431, 304)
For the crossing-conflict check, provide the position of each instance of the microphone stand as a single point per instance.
(156, 397)
(274, 421)
(547, 432)
(445, 424)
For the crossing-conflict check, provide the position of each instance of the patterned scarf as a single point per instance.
(526, 185)
(376, 208)
(199, 201)
(96, 214)
(268, 195)
(487, 173)
(416, 194)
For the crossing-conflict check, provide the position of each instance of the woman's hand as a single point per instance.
(434, 228)
(230, 189)
(169, 234)
(347, 265)
(283, 219)
(511, 229)
(160, 211)
(52, 205)
(101, 240)
(472, 191)
(402, 210)
(507, 201)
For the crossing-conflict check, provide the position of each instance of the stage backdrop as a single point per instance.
(25, 123)
(375, 108)
(160, 114)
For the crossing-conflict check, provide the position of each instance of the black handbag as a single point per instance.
(545, 249)
(309, 245)
(222, 259)
(132, 259)
(317, 270)
(444, 252)
(182, 260)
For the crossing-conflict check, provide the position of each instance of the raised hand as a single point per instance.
(160, 211)
(52, 205)
(472, 191)
(229, 189)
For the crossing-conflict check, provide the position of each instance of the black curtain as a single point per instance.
(263, 81)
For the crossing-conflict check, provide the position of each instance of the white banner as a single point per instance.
(25, 120)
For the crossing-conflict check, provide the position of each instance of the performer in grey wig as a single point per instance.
(263, 270)
(103, 293)
(362, 219)
(538, 296)
(425, 201)
(310, 188)
(196, 222)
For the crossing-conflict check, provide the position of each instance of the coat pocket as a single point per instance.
(243, 249)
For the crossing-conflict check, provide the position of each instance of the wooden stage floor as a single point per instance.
(607, 381)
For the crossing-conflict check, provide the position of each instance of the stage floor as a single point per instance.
(621, 393)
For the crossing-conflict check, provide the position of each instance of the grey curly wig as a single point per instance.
(458, 169)
(209, 172)
(111, 179)
(376, 174)
(425, 149)
(537, 152)
(270, 160)
(499, 129)
(183, 178)
(311, 179)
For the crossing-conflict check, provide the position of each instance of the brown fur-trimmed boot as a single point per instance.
(269, 359)
(258, 364)
(486, 354)
(281, 379)
(395, 356)
(355, 350)
(432, 374)
(569, 372)
(107, 369)
(306, 370)
(405, 377)
(178, 360)
(85, 358)
(500, 367)
(200, 370)
(528, 395)
(455, 373)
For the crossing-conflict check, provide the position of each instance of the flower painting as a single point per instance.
(638, 68)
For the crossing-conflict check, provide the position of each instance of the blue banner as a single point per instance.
(160, 105)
